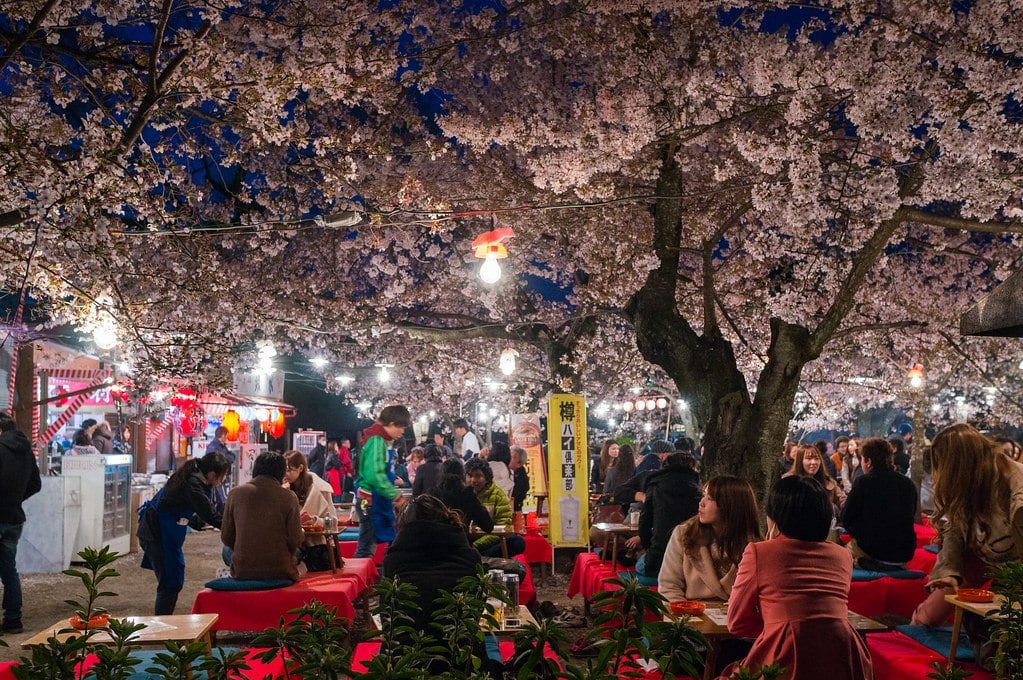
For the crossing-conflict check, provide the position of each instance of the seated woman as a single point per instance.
(315, 498)
(703, 552)
(792, 591)
(481, 480)
(499, 459)
(454, 493)
(431, 551)
(978, 497)
(809, 463)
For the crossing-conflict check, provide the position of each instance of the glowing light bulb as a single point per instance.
(385, 376)
(490, 272)
(105, 336)
(507, 361)
(916, 381)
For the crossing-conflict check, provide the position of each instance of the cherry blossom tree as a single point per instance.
(775, 208)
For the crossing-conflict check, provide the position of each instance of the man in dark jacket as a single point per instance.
(19, 479)
(632, 491)
(879, 511)
(672, 495)
(317, 458)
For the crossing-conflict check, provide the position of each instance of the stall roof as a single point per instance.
(216, 404)
(1000, 313)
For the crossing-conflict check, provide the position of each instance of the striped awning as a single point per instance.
(216, 405)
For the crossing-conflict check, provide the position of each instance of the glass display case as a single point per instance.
(116, 497)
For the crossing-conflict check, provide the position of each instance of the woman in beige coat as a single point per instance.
(703, 552)
(315, 495)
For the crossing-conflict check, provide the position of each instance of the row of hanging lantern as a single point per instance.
(271, 422)
(645, 404)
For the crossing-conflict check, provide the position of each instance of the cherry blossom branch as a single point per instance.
(17, 43)
(947, 222)
(878, 327)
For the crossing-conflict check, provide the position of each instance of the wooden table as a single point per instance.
(333, 549)
(158, 630)
(504, 532)
(612, 530)
(713, 626)
(979, 608)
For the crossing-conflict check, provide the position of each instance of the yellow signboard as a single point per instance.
(568, 471)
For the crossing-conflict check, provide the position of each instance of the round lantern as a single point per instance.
(189, 421)
(232, 422)
(277, 426)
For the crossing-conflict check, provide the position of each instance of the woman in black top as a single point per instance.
(429, 473)
(163, 523)
(454, 493)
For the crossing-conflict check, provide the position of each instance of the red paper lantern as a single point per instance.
(61, 391)
(232, 422)
(276, 426)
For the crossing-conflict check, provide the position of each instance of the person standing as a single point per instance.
(318, 457)
(377, 496)
(103, 438)
(19, 479)
(163, 523)
(470, 445)
(219, 445)
(518, 467)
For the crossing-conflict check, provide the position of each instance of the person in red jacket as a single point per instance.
(378, 497)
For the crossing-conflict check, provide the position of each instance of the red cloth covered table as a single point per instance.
(588, 575)
(347, 549)
(923, 560)
(924, 535)
(904, 595)
(364, 651)
(538, 550)
(527, 589)
(361, 568)
(261, 609)
(897, 657)
(869, 598)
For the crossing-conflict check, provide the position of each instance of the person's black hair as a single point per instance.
(822, 446)
(452, 479)
(7, 423)
(82, 438)
(428, 508)
(88, 422)
(684, 444)
(270, 464)
(680, 459)
(463, 423)
(433, 452)
(211, 462)
(395, 414)
(878, 452)
(500, 453)
(480, 465)
(898, 444)
(800, 507)
(661, 446)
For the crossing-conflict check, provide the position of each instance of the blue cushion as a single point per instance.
(240, 584)
(907, 574)
(348, 535)
(867, 575)
(644, 580)
(939, 640)
(932, 548)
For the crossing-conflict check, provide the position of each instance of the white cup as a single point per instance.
(634, 517)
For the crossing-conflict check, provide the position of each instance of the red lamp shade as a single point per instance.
(232, 422)
(492, 243)
(277, 426)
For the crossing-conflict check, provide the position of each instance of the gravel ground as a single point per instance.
(44, 594)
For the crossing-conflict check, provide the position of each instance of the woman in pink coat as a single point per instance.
(792, 591)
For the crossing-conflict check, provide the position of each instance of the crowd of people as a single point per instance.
(700, 538)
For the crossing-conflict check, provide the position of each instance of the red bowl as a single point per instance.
(686, 607)
(975, 595)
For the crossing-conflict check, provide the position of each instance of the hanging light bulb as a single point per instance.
(489, 247)
(916, 375)
(507, 361)
(385, 375)
(490, 272)
(105, 336)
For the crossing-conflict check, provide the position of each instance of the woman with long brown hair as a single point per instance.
(809, 463)
(621, 469)
(598, 472)
(703, 552)
(978, 499)
(314, 496)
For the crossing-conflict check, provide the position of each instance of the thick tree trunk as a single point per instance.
(741, 437)
(23, 397)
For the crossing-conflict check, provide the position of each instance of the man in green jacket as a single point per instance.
(378, 497)
(481, 478)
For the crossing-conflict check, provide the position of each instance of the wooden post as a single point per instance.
(23, 383)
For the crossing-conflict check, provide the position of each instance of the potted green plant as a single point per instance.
(1007, 630)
